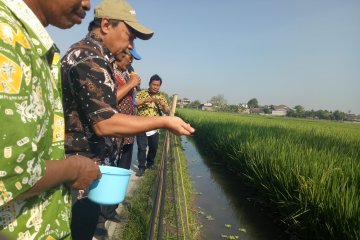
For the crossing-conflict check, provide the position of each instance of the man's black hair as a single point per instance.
(96, 23)
(155, 77)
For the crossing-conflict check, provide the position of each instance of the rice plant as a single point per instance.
(308, 169)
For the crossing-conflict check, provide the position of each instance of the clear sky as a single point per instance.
(292, 52)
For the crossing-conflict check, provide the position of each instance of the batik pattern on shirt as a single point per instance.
(31, 126)
(126, 104)
(149, 109)
(89, 90)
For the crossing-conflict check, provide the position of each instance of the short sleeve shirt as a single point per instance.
(31, 126)
(89, 96)
(149, 109)
(126, 104)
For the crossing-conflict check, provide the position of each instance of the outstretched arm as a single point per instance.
(125, 125)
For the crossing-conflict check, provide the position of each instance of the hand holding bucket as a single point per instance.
(111, 187)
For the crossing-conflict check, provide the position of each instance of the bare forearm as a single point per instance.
(125, 125)
(56, 173)
(123, 91)
(165, 109)
(121, 125)
(76, 170)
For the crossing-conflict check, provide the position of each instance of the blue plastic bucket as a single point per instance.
(111, 187)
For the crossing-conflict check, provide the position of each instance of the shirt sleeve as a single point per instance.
(94, 89)
(141, 94)
(21, 162)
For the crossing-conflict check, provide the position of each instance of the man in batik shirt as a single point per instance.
(34, 201)
(126, 93)
(89, 90)
(126, 105)
(93, 124)
(150, 103)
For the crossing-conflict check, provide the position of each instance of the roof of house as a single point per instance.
(281, 107)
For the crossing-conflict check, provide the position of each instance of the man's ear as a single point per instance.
(105, 25)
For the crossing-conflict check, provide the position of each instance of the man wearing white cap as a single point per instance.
(93, 124)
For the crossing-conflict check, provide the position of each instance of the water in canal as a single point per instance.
(224, 209)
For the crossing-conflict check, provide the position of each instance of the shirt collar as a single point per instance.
(153, 94)
(30, 21)
(98, 41)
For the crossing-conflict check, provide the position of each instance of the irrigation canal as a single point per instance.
(224, 209)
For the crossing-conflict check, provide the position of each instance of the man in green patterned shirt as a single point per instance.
(150, 103)
(34, 174)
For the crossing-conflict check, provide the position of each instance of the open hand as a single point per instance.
(177, 126)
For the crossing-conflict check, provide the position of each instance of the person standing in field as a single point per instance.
(150, 103)
(93, 123)
(126, 101)
(125, 98)
(35, 200)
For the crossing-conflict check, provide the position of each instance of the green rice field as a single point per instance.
(307, 170)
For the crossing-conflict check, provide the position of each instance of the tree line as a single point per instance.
(219, 104)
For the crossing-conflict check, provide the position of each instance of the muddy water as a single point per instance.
(223, 204)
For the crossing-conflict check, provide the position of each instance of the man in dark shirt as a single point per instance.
(93, 124)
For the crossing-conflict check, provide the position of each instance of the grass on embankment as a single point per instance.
(308, 170)
(138, 208)
(181, 214)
